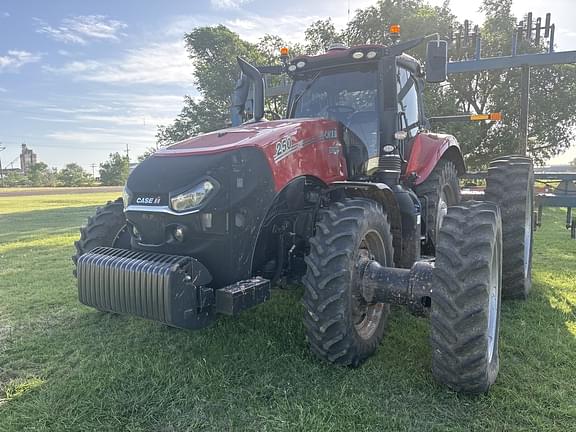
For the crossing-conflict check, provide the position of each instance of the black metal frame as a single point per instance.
(524, 61)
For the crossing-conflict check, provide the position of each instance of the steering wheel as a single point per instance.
(339, 112)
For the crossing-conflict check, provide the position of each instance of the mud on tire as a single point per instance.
(510, 184)
(341, 327)
(465, 310)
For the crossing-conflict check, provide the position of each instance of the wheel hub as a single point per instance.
(366, 315)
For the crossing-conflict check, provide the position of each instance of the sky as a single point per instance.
(79, 80)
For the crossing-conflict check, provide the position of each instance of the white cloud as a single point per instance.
(81, 29)
(254, 27)
(5, 14)
(142, 138)
(127, 120)
(15, 59)
(3, 90)
(75, 67)
(78, 110)
(228, 4)
(51, 119)
(156, 63)
(159, 104)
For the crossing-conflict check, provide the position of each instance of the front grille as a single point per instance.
(165, 288)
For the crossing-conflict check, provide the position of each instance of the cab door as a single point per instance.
(409, 108)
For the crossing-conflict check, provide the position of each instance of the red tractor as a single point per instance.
(350, 193)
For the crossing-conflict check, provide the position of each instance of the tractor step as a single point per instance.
(242, 295)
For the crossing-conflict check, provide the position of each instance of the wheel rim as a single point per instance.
(493, 301)
(442, 209)
(366, 317)
(528, 232)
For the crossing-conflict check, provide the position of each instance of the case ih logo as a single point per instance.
(148, 200)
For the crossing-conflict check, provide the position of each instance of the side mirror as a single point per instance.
(255, 76)
(239, 98)
(437, 61)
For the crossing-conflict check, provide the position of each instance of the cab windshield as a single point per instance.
(349, 96)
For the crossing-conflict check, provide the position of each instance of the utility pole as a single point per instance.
(1, 170)
(127, 153)
(93, 172)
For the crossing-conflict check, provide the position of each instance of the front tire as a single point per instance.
(510, 184)
(341, 327)
(465, 310)
(106, 228)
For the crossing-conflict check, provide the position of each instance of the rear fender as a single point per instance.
(427, 149)
(382, 194)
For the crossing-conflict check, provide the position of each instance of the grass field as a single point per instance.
(65, 367)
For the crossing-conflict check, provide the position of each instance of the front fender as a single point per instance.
(382, 194)
(427, 149)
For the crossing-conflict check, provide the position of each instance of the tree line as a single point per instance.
(113, 172)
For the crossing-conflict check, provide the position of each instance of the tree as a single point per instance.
(40, 175)
(320, 35)
(74, 175)
(213, 51)
(115, 170)
(15, 179)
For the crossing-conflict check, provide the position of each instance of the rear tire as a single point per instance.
(510, 184)
(465, 310)
(438, 192)
(106, 228)
(342, 327)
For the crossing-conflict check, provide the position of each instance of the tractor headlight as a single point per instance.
(193, 197)
(126, 196)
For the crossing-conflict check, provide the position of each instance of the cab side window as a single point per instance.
(408, 100)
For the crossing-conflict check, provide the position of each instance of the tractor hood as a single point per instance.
(261, 134)
(292, 147)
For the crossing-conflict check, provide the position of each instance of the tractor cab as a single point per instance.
(373, 91)
(344, 85)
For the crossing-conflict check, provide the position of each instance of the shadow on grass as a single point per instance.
(40, 223)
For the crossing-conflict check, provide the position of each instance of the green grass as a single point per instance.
(64, 366)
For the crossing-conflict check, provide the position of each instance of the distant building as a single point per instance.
(27, 159)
